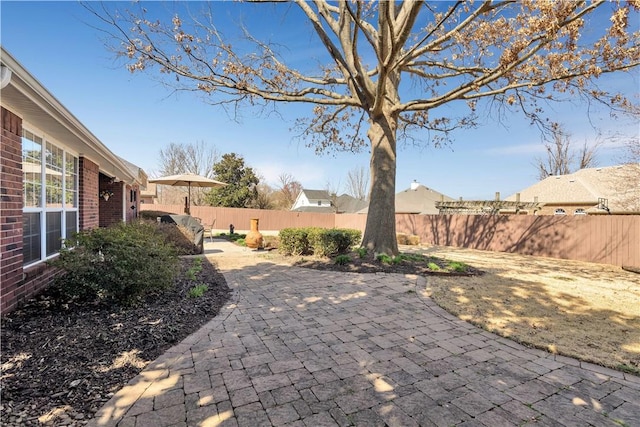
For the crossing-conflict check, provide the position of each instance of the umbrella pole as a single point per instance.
(189, 200)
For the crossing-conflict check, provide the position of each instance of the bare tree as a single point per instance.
(288, 190)
(333, 186)
(561, 158)
(358, 183)
(392, 67)
(629, 174)
(266, 197)
(197, 158)
(632, 150)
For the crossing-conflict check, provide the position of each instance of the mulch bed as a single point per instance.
(75, 357)
(368, 264)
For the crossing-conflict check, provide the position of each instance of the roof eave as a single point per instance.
(27, 97)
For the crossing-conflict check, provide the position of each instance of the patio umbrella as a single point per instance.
(188, 180)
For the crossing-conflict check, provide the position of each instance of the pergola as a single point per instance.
(485, 207)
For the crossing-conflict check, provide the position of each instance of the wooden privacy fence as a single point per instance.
(241, 218)
(606, 239)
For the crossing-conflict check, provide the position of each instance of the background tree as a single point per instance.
(393, 67)
(241, 189)
(632, 151)
(288, 190)
(630, 174)
(333, 187)
(266, 197)
(176, 158)
(358, 183)
(561, 157)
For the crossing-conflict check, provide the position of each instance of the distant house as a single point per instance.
(321, 201)
(603, 190)
(313, 201)
(57, 179)
(349, 204)
(149, 195)
(417, 199)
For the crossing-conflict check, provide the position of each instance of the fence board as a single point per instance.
(607, 239)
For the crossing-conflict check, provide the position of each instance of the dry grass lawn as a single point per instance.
(578, 309)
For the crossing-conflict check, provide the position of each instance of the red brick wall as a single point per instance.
(10, 210)
(88, 194)
(111, 210)
(18, 283)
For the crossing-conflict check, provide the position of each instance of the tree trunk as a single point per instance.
(380, 231)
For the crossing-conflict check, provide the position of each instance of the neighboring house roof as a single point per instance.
(137, 171)
(418, 199)
(317, 194)
(349, 204)
(620, 185)
(316, 209)
(25, 95)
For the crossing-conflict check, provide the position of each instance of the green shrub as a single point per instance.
(235, 237)
(293, 241)
(457, 266)
(412, 257)
(317, 241)
(433, 266)
(397, 259)
(362, 252)
(342, 259)
(198, 290)
(384, 258)
(334, 241)
(195, 269)
(120, 263)
(320, 243)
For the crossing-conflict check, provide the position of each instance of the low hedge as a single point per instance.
(293, 241)
(120, 263)
(317, 241)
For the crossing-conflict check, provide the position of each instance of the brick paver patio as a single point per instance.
(302, 347)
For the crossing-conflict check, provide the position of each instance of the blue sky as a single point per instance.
(136, 116)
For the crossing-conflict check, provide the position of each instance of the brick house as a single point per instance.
(590, 191)
(56, 178)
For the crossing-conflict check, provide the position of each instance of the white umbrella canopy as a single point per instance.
(187, 180)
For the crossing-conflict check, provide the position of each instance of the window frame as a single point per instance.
(42, 209)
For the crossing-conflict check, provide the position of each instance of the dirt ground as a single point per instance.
(583, 310)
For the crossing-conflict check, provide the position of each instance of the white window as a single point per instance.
(560, 211)
(579, 211)
(50, 210)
